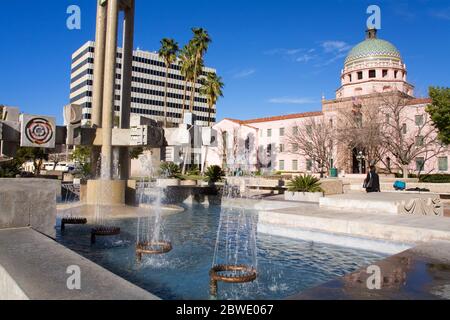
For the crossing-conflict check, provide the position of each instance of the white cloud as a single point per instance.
(305, 58)
(325, 53)
(244, 73)
(335, 46)
(441, 14)
(287, 100)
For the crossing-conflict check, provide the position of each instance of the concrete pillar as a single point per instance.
(127, 65)
(109, 87)
(99, 73)
(99, 66)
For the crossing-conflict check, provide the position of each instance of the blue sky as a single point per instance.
(276, 57)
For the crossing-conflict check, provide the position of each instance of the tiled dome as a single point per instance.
(373, 48)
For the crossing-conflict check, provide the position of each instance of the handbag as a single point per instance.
(368, 183)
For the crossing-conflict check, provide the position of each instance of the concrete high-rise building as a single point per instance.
(148, 80)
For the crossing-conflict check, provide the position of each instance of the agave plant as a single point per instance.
(214, 174)
(305, 183)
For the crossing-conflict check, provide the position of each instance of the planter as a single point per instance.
(164, 183)
(303, 196)
(191, 183)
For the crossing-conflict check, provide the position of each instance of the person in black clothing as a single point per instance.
(372, 182)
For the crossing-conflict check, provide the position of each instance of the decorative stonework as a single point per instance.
(423, 207)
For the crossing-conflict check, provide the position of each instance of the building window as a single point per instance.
(269, 150)
(281, 165)
(420, 120)
(385, 73)
(247, 144)
(420, 140)
(404, 129)
(309, 165)
(360, 75)
(281, 147)
(349, 78)
(269, 133)
(396, 74)
(420, 164)
(294, 165)
(443, 163)
(295, 131)
(294, 147)
(372, 74)
(309, 130)
(281, 132)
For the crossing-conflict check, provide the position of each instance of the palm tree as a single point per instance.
(200, 42)
(212, 90)
(167, 52)
(186, 62)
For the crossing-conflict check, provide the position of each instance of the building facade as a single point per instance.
(374, 78)
(148, 83)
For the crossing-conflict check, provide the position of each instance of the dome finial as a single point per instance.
(371, 33)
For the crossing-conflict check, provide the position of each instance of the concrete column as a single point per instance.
(99, 66)
(99, 73)
(127, 65)
(109, 87)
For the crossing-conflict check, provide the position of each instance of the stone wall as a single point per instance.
(29, 203)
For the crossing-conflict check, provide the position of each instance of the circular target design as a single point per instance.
(39, 131)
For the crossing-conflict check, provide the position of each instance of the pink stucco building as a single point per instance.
(374, 77)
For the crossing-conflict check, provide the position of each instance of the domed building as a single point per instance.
(373, 66)
(373, 80)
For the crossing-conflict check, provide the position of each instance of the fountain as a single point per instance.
(150, 235)
(235, 255)
(101, 228)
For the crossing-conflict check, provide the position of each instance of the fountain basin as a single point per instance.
(230, 274)
(150, 248)
(106, 192)
(164, 183)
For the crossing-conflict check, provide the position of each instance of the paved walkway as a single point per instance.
(401, 228)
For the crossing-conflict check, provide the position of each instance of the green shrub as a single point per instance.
(169, 170)
(194, 171)
(435, 178)
(305, 183)
(9, 170)
(214, 174)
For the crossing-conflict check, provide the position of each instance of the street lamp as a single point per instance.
(360, 157)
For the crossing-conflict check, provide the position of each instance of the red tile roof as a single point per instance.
(419, 101)
(279, 118)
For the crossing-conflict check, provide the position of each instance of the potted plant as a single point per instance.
(304, 188)
(213, 175)
(169, 175)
